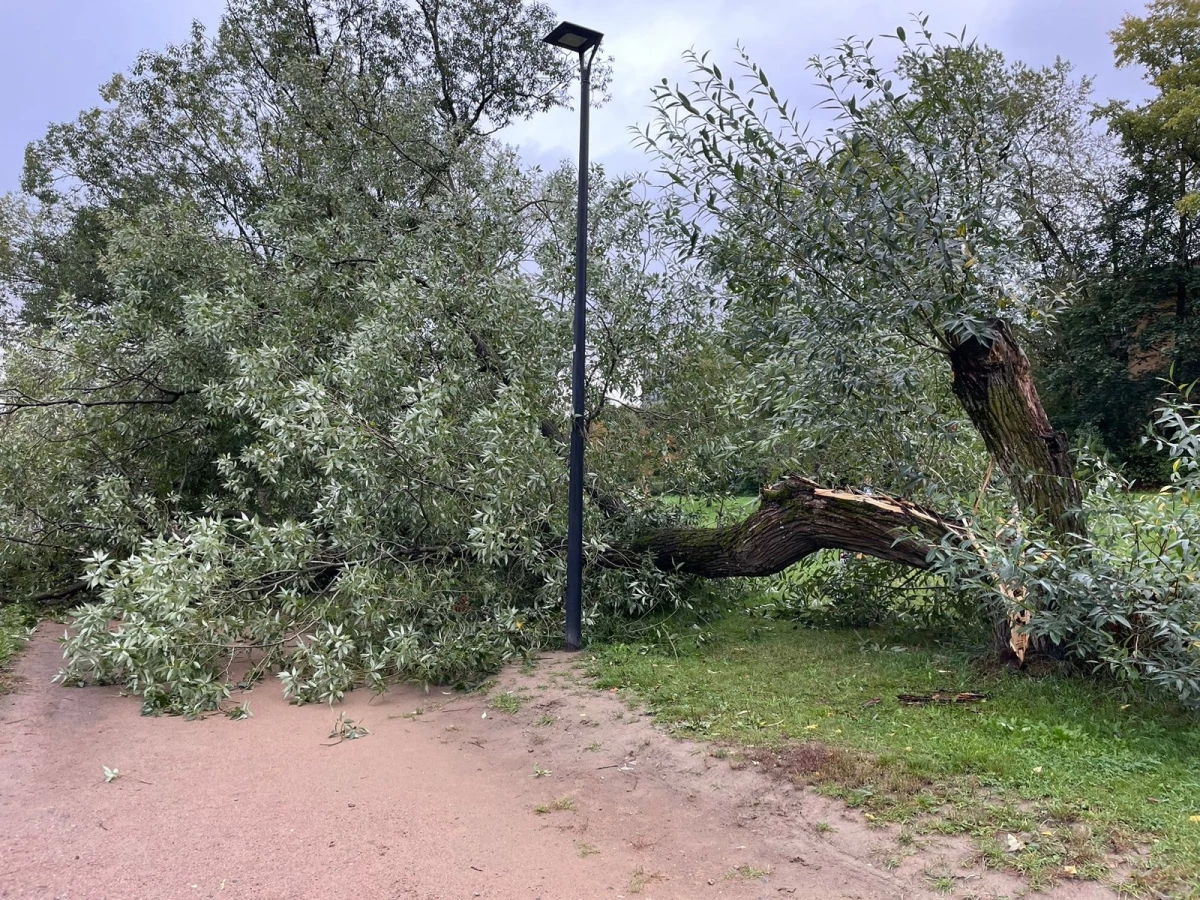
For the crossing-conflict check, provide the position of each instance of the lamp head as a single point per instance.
(573, 37)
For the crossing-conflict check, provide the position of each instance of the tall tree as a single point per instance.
(1133, 324)
(316, 414)
(1161, 137)
(894, 247)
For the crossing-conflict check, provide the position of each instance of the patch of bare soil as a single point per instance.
(570, 797)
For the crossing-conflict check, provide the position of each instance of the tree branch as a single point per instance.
(7, 407)
(795, 518)
(51, 597)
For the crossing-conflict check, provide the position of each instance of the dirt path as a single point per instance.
(437, 802)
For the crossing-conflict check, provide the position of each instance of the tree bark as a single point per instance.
(994, 383)
(51, 597)
(794, 519)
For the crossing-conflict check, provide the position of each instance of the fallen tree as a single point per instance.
(355, 301)
(794, 519)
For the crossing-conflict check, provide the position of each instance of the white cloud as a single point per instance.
(62, 49)
(647, 40)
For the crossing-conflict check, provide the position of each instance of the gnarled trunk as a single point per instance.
(994, 383)
(797, 517)
(794, 519)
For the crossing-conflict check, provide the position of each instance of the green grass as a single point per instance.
(1076, 768)
(15, 621)
(562, 804)
(712, 510)
(506, 702)
(747, 872)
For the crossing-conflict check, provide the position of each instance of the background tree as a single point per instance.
(1133, 324)
(316, 398)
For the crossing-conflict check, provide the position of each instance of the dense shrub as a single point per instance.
(1125, 599)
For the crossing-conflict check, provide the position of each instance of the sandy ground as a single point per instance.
(438, 801)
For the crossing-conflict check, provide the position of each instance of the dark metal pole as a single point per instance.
(575, 491)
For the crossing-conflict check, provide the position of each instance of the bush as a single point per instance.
(844, 590)
(1126, 598)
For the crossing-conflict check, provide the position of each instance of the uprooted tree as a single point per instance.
(290, 329)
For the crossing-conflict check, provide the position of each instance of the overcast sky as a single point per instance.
(55, 53)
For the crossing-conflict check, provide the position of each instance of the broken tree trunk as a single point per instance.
(797, 517)
(994, 383)
(794, 519)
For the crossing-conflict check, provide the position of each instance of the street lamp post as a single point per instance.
(580, 40)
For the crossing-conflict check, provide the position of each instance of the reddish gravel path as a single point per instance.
(439, 804)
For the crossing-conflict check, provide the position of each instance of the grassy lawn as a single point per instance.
(1078, 771)
(15, 621)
